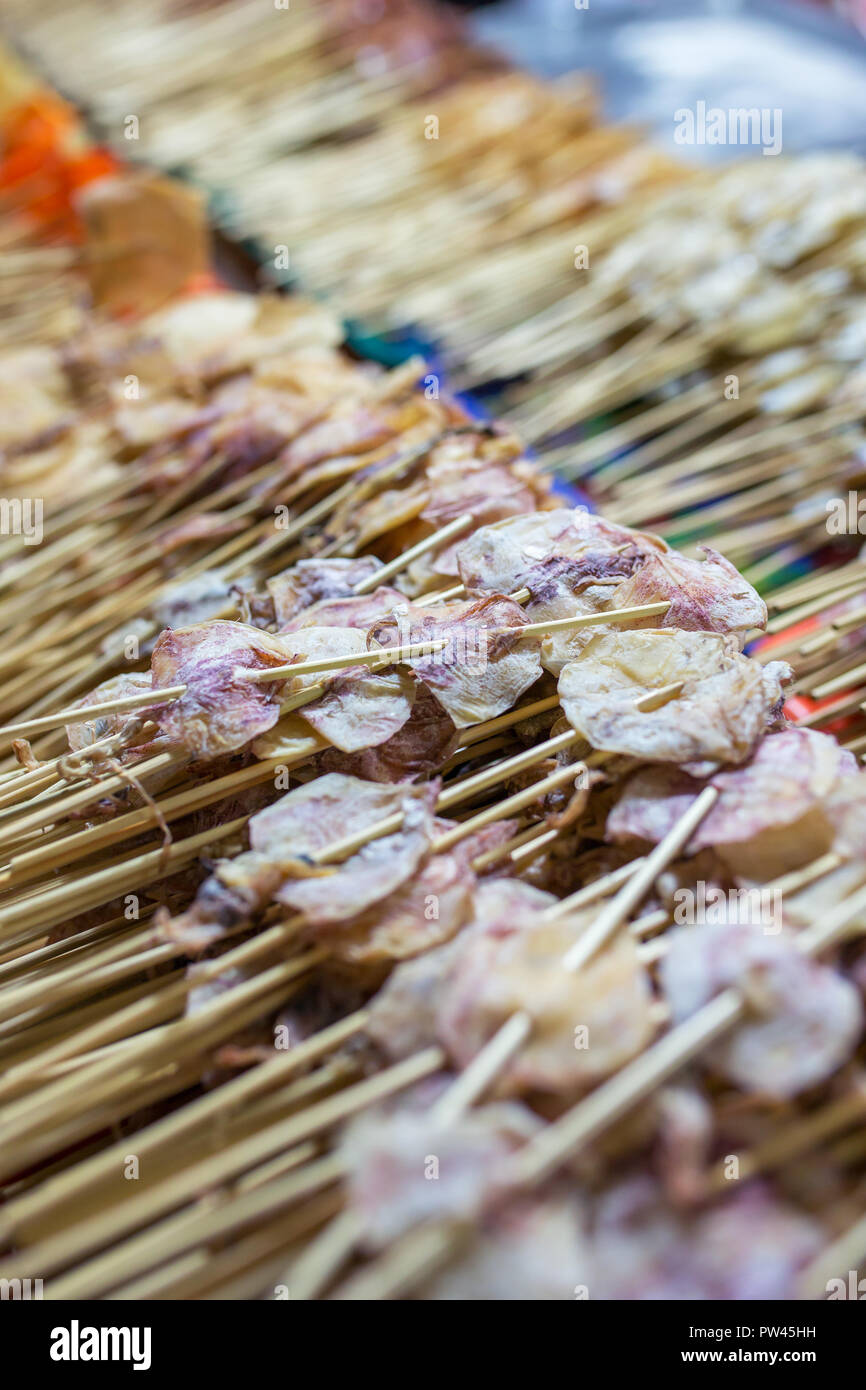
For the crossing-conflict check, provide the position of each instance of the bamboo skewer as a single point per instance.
(466, 829)
(385, 655)
(95, 711)
(82, 844)
(102, 882)
(375, 657)
(65, 805)
(263, 1145)
(496, 1053)
(795, 1139)
(339, 1239)
(631, 893)
(402, 562)
(182, 802)
(70, 1187)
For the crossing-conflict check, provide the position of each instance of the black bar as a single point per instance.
(257, 1340)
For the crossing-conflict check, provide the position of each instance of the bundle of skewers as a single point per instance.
(723, 334)
(372, 152)
(410, 887)
(687, 346)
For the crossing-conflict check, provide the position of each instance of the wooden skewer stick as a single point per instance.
(507, 721)
(476, 1078)
(440, 596)
(385, 655)
(849, 679)
(618, 909)
(518, 802)
(100, 886)
(803, 1134)
(601, 887)
(152, 1203)
(267, 941)
(274, 540)
(457, 792)
(849, 620)
(612, 615)
(94, 979)
(793, 882)
(26, 782)
(32, 1118)
(129, 963)
(49, 812)
(376, 656)
(468, 786)
(509, 767)
(402, 562)
(422, 1251)
(524, 845)
(88, 712)
(244, 1266)
(168, 1239)
(319, 1263)
(323, 1258)
(495, 1054)
(342, 849)
(788, 884)
(809, 608)
(81, 844)
(849, 704)
(463, 794)
(68, 1187)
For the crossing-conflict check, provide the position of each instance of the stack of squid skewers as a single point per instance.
(410, 887)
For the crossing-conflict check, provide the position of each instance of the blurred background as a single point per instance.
(652, 57)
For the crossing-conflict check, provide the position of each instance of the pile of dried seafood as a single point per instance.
(427, 896)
